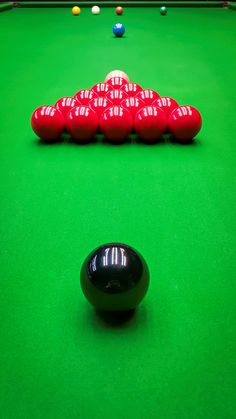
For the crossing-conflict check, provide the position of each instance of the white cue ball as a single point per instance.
(95, 10)
(117, 73)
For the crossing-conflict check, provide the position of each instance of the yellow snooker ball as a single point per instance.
(76, 10)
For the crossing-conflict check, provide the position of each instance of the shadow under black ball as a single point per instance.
(114, 277)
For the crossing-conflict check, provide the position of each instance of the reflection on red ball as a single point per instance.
(131, 89)
(47, 123)
(184, 123)
(65, 104)
(84, 96)
(150, 123)
(116, 124)
(117, 82)
(102, 89)
(82, 123)
(166, 103)
(119, 10)
(133, 104)
(116, 96)
(148, 96)
(99, 105)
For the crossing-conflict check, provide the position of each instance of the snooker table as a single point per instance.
(175, 357)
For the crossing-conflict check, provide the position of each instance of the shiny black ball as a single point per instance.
(114, 277)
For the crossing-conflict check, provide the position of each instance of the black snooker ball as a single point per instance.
(114, 277)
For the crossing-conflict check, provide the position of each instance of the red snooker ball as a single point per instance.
(84, 96)
(131, 89)
(82, 123)
(47, 123)
(117, 82)
(99, 105)
(119, 10)
(148, 96)
(166, 103)
(65, 104)
(116, 124)
(133, 104)
(116, 96)
(150, 123)
(102, 89)
(184, 123)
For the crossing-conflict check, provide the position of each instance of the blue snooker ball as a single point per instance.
(118, 30)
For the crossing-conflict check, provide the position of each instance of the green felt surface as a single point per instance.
(175, 359)
(232, 5)
(5, 6)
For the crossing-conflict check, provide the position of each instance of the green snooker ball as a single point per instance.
(163, 11)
